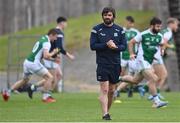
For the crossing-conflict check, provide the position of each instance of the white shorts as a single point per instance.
(50, 64)
(158, 60)
(36, 67)
(142, 65)
(132, 67)
(124, 63)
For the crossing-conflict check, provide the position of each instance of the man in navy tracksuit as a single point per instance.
(108, 40)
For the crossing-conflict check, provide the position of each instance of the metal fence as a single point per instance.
(19, 46)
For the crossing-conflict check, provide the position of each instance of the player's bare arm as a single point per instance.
(130, 48)
(48, 55)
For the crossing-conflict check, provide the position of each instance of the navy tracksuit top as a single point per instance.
(58, 43)
(100, 35)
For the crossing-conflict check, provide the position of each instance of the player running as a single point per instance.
(32, 65)
(149, 42)
(130, 33)
(54, 66)
(158, 64)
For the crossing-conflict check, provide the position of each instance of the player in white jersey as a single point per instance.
(32, 65)
(54, 67)
(51, 65)
(126, 62)
(149, 41)
(158, 64)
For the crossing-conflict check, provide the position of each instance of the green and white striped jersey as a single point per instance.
(130, 33)
(149, 44)
(37, 51)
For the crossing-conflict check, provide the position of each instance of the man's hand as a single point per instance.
(70, 56)
(132, 56)
(111, 44)
(171, 46)
(48, 55)
(55, 51)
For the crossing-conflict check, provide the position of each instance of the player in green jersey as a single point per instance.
(149, 41)
(158, 64)
(32, 65)
(126, 63)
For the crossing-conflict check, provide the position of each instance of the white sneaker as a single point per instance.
(159, 104)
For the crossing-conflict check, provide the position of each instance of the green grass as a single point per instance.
(78, 31)
(85, 107)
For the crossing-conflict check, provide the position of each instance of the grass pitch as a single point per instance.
(84, 107)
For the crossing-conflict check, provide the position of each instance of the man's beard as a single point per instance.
(108, 21)
(155, 31)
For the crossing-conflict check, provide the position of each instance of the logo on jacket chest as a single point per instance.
(115, 34)
(102, 34)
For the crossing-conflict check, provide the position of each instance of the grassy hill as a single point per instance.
(78, 31)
